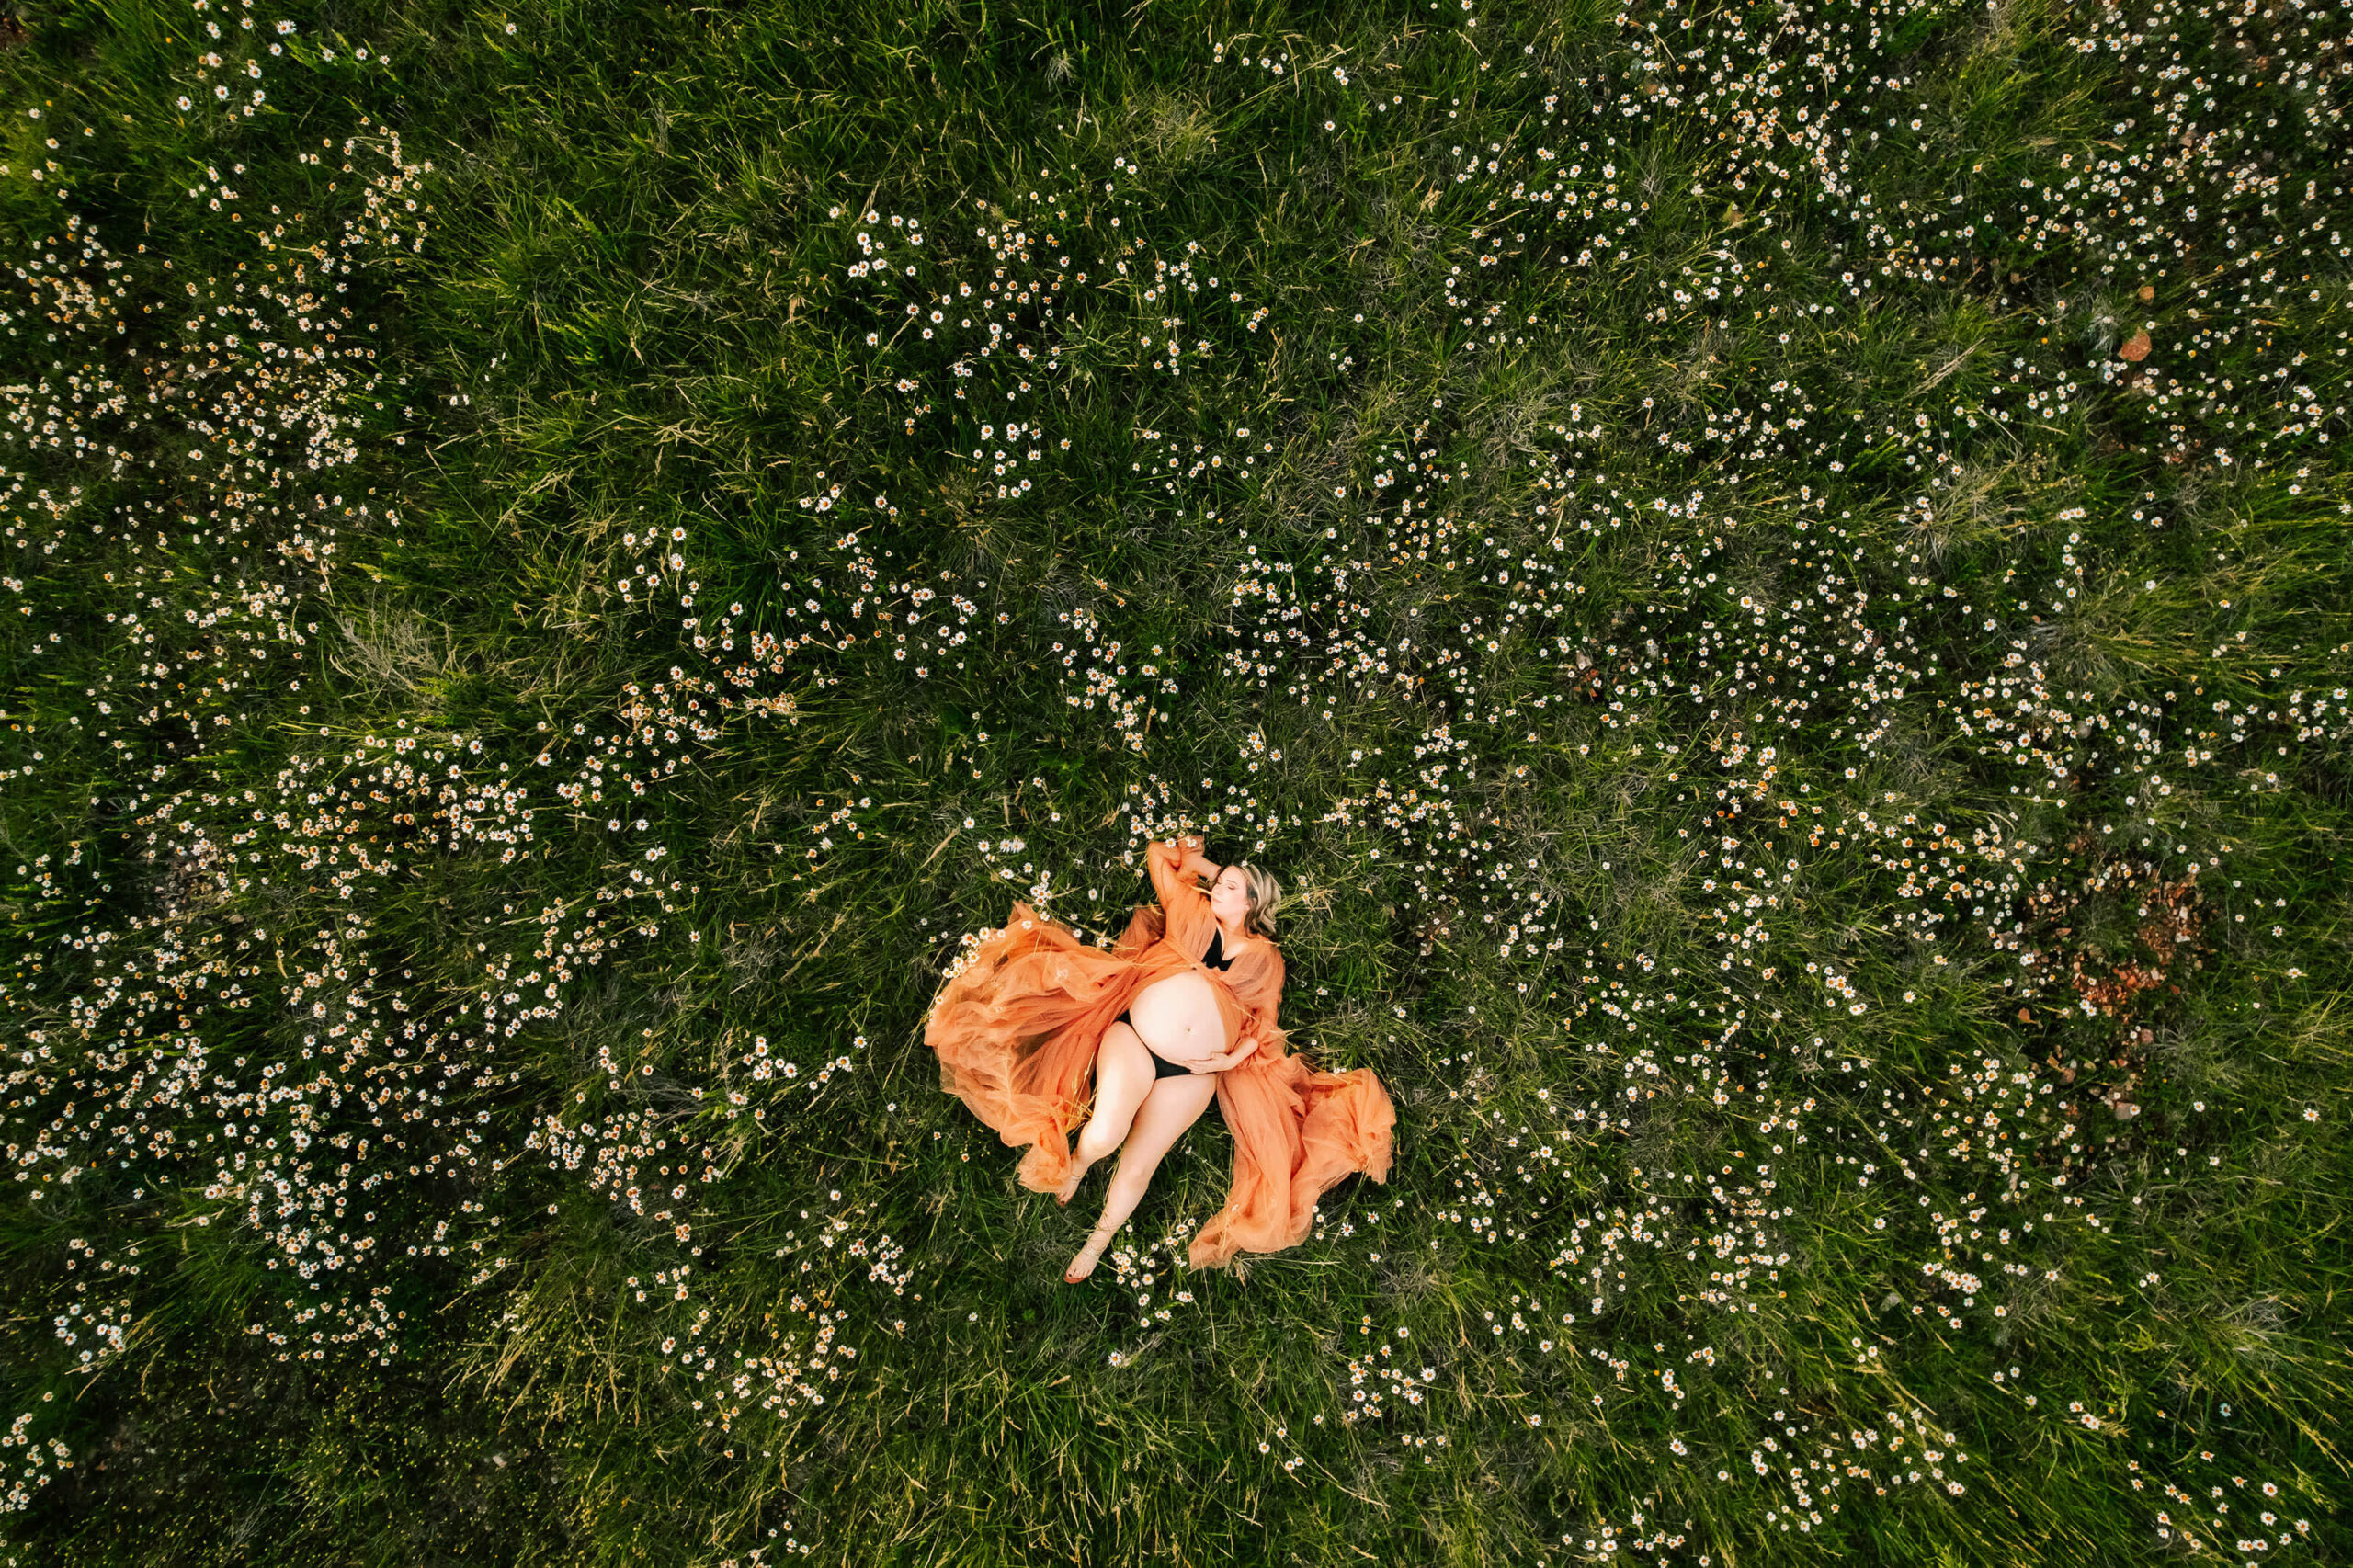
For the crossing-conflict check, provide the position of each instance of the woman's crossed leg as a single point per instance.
(1123, 1076)
(1169, 1107)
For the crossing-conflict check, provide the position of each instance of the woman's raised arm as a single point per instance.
(1196, 863)
(1165, 861)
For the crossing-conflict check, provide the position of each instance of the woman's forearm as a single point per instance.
(1183, 859)
(1241, 1054)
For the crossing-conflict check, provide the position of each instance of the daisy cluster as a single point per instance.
(2191, 203)
(1143, 1273)
(240, 418)
(211, 432)
(264, 1041)
(772, 1371)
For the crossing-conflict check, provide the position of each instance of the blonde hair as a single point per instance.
(1266, 896)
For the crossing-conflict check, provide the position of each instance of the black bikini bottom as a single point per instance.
(1161, 1066)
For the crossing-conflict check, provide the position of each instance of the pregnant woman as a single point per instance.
(1180, 1011)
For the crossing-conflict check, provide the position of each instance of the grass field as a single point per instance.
(1773, 580)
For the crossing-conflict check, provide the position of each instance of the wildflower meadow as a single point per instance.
(1773, 580)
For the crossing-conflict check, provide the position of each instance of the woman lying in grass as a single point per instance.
(1179, 1011)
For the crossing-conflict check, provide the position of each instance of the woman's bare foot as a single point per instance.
(1083, 1264)
(1078, 1174)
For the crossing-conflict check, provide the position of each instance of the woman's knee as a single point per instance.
(1095, 1140)
(1173, 1106)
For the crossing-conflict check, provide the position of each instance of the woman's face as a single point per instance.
(1230, 896)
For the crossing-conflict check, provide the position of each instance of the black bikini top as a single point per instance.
(1217, 958)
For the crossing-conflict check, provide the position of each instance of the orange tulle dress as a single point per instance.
(1017, 1025)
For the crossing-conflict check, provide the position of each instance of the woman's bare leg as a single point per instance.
(1172, 1106)
(1123, 1076)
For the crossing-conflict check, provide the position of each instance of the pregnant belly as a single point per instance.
(1176, 1018)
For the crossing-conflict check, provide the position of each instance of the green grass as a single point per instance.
(412, 1106)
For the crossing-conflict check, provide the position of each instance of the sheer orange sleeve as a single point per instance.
(1164, 862)
(1260, 996)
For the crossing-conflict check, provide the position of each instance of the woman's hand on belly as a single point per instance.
(1232, 1059)
(1200, 1059)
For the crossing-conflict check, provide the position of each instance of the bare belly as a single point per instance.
(1176, 1018)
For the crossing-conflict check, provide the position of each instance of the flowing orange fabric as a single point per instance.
(1017, 1026)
